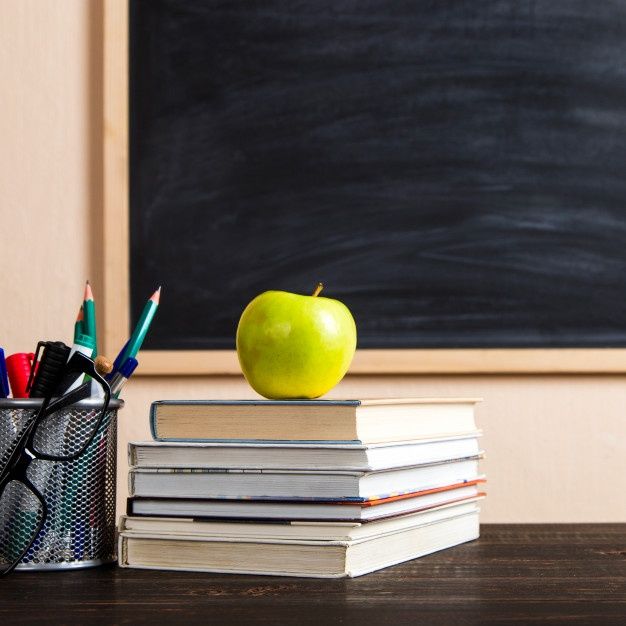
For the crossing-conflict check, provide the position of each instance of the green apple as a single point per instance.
(294, 346)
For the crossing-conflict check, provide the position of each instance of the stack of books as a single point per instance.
(301, 488)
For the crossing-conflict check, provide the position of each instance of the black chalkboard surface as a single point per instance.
(454, 171)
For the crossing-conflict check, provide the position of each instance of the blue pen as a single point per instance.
(4, 379)
(124, 373)
(117, 363)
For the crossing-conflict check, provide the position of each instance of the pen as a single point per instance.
(45, 377)
(4, 379)
(118, 361)
(19, 367)
(120, 377)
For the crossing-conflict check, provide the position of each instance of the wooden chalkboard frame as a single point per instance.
(115, 245)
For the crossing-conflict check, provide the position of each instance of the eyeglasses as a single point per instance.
(52, 433)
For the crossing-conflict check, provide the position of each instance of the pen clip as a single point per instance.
(34, 356)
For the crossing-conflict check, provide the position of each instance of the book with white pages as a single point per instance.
(295, 530)
(366, 511)
(305, 456)
(332, 558)
(324, 485)
(334, 421)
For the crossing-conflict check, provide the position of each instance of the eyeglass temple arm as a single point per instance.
(79, 364)
(76, 395)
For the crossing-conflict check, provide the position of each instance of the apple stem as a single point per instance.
(318, 288)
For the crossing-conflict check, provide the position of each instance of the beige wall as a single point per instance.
(556, 446)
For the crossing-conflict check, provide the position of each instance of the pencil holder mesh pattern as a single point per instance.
(80, 495)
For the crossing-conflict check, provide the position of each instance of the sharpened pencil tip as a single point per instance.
(88, 293)
(156, 296)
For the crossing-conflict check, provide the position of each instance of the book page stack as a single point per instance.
(315, 488)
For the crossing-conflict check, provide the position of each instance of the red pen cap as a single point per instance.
(18, 370)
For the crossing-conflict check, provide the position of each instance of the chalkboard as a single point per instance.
(455, 172)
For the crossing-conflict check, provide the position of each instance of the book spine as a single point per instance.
(153, 422)
(122, 551)
(132, 455)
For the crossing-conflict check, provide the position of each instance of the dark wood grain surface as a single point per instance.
(514, 574)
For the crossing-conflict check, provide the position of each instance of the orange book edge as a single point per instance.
(415, 494)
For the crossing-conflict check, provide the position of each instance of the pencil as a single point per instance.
(139, 334)
(89, 308)
(78, 324)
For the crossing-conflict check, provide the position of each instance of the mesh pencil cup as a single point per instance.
(79, 530)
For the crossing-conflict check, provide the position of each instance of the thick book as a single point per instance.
(325, 485)
(280, 510)
(363, 421)
(305, 456)
(298, 555)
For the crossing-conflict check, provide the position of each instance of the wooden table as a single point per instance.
(514, 574)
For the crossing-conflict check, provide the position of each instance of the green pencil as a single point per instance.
(78, 324)
(139, 334)
(89, 323)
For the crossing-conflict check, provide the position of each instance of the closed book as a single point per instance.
(364, 421)
(325, 485)
(322, 557)
(364, 512)
(288, 529)
(305, 456)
